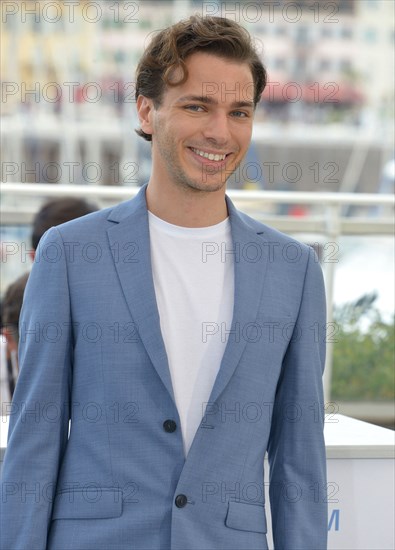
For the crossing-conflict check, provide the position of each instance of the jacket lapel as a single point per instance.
(250, 264)
(130, 246)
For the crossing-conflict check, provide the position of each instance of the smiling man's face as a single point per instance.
(202, 129)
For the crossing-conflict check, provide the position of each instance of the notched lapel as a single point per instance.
(251, 260)
(130, 248)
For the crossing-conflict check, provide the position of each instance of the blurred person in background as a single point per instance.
(10, 310)
(52, 213)
(57, 211)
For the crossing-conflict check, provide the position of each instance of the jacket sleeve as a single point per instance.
(296, 449)
(39, 412)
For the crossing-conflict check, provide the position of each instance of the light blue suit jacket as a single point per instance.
(91, 351)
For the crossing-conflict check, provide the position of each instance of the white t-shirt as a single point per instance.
(193, 275)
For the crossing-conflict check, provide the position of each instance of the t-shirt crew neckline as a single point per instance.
(180, 230)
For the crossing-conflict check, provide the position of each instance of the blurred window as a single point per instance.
(119, 56)
(280, 63)
(345, 65)
(37, 25)
(327, 32)
(302, 34)
(300, 64)
(10, 22)
(347, 5)
(372, 4)
(346, 33)
(59, 26)
(370, 35)
(145, 24)
(325, 64)
(280, 31)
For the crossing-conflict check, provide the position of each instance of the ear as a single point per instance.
(145, 108)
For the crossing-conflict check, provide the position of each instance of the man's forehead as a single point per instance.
(214, 79)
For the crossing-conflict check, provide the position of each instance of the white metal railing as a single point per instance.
(123, 192)
(327, 220)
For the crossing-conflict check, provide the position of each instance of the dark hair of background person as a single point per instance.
(57, 211)
(170, 47)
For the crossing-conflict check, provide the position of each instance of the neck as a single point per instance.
(186, 207)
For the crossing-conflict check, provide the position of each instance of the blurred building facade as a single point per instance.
(68, 89)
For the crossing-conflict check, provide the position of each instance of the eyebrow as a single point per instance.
(211, 101)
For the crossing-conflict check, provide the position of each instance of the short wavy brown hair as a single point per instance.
(170, 47)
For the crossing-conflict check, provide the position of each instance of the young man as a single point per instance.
(175, 333)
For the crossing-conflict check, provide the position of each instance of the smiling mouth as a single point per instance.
(210, 156)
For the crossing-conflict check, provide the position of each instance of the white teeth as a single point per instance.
(209, 156)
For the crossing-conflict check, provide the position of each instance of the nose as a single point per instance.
(216, 128)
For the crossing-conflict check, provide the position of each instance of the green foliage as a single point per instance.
(363, 354)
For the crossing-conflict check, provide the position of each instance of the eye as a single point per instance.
(240, 114)
(194, 108)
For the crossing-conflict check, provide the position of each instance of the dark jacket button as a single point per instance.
(181, 501)
(169, 426)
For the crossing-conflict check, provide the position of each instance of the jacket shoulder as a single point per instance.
(92, 225)
(270, 233)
